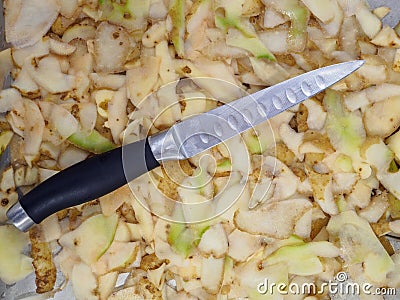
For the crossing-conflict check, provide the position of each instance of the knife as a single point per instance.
(101, 174)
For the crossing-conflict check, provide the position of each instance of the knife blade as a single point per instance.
(101, 174)
(201, 132)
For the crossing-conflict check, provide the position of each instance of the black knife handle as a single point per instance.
(84, 181)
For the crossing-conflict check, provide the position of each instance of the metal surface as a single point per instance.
(5, 159)
(17, 215)
(392, 18)
(199, 133)
(3, 43)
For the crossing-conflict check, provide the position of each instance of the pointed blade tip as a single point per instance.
(346, 68)
(356, 64)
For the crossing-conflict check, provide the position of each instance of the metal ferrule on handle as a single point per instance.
(18, 216)
(83, 182)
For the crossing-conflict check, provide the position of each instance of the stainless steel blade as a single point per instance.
(201, 132)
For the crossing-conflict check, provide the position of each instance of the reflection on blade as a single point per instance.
(194, 135)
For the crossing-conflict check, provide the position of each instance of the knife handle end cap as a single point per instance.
(18, 216)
